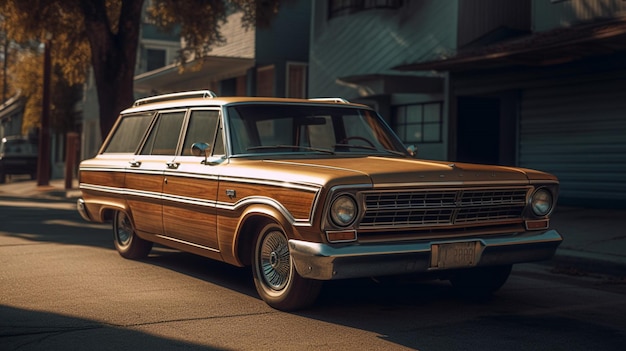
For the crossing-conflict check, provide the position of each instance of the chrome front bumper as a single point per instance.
(326, 262)
(82, 209)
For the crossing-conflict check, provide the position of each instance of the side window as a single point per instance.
(203, 126)
(163, 137)
(128, 134)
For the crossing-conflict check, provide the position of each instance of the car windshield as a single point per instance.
(265, 128)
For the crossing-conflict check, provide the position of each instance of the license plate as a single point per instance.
(455, 255)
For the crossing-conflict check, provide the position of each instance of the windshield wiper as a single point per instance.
(367, 147)
(292, 147)
(364, 147)
(399, 153)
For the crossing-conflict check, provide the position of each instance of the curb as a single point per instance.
(585, 263)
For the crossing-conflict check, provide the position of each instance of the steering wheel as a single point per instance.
(356, 137)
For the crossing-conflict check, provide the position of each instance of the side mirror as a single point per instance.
(412, 150)
(201, 149)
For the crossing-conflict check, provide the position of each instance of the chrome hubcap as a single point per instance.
(124, 229)
(275, 260)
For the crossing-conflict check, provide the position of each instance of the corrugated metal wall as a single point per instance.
(578, 132)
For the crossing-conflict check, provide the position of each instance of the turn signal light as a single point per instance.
(539, 224)
(340, 236)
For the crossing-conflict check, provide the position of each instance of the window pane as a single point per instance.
(265, 81)
(163, 138)
(414, 113)
(432, 132)
(423, 123)
(296, 83)
(432, 112)
(202, 128)
(320, 135)
(414, 133)
(128, 134)
(155, 58)
(284, 128)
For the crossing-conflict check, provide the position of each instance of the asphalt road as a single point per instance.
(64, 287)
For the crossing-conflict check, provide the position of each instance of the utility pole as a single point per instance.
(43, 162)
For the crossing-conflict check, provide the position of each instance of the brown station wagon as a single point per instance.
(305, 191)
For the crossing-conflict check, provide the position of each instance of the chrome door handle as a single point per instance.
(135, 163)
(172, 165)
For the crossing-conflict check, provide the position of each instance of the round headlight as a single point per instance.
(343, 210)
(541, 202)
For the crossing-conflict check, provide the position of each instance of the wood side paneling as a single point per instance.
(185, 220)
(105, 178)
(297, 202)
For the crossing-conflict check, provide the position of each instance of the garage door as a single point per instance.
(578, 132)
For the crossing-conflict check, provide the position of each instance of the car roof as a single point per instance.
(188, 99)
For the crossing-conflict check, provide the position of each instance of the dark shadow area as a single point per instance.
(49, 220)
(429, 315)
(225, 275)
(32, 330)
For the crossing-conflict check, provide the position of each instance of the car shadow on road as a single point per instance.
(37, 330)
(49, 220)
(238, 279)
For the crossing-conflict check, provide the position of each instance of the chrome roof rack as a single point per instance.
(205, 94)
(332, 99)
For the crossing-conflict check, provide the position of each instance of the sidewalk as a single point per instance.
(594, 239)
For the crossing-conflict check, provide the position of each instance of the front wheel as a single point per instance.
(126, 241)
(275, 276)
(480, 282)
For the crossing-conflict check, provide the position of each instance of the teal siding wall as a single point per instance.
(374, 41)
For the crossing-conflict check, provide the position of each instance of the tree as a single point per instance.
(104, 34)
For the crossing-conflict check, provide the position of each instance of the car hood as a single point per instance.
(397, 171)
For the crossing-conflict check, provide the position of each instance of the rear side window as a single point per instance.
(163, 138)
(128, 135)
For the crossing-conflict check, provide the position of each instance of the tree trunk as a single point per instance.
(113, 56)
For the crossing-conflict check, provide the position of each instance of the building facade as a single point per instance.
(532, 83)
(252, 62)
(356, 44)
(11, 112)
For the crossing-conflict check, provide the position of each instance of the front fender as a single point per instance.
(236, 234)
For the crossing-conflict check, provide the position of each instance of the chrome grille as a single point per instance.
(442, 207)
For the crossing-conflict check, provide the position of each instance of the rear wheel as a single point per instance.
(275, 276)
(480, 282)
(127, 243)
